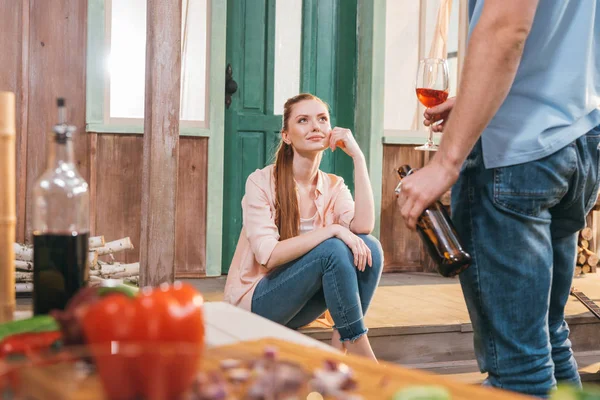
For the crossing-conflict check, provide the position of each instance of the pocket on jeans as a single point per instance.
(531, 188)
(593, 141)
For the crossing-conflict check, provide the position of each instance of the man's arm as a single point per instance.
(493, 56)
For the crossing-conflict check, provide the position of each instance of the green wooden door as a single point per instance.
(327, 70)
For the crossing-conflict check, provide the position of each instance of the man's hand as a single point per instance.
(439, 113)
(421, 188)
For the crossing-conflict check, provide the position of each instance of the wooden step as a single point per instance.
(450, 343)
(467, 371)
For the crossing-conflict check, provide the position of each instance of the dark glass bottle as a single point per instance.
(60, 224)
(439, 237)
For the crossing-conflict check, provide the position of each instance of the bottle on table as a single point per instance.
(60, 223)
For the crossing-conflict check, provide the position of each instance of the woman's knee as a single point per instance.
(337, 254)
(334, 247)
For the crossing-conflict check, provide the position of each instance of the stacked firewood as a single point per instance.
(101, 263)
(587, 259)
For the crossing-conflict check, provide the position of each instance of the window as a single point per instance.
(415, 30)
(117, 66)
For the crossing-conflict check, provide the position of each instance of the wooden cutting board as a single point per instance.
(375, 381)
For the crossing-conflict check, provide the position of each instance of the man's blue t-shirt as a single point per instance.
(555, 97)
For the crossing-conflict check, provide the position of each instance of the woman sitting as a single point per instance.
(304, 246)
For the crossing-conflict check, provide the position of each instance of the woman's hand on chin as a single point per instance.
(343, 138)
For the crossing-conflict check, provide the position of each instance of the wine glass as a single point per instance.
(432, 89)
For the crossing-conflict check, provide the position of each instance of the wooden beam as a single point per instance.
(93, 181)
(23, 115)
(370, 92)
(161, 141)
(216, 142)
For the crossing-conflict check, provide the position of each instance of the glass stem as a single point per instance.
(430, 139)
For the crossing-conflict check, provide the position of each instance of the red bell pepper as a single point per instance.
(27, 343)
(149, 345)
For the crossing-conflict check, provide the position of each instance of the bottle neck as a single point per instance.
(60, 151)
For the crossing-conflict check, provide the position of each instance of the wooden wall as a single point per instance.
(43, 57)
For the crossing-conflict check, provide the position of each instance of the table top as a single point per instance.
(374, 380)
(229, 328)
(226, 324)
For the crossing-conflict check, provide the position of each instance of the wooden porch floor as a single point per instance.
(421, 320)
(418, 303)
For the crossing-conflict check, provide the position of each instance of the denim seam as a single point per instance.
(347, 325)
(284, 282)
(356, 337)
(589, 206)
(581, 186)
(491, 341)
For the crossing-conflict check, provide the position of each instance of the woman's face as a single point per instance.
(308, 127)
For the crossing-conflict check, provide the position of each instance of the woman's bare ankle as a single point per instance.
(336, 342)
(361, 347)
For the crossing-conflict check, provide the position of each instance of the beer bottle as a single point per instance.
(439, 236)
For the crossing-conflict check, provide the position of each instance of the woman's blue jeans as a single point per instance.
(298, 292)
(520, 225)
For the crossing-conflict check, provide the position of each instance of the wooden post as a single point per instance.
(8, 217)
(368, 118)
(161, 141)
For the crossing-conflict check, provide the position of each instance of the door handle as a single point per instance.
(231, 86)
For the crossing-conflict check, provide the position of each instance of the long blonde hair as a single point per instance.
(287, 213)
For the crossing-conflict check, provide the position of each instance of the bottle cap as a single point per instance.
(62, 131)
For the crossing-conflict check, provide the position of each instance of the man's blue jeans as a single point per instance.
(520, 225)
(298, 292)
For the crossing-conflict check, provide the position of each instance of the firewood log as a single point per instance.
(116, 270)
(586, 269)
(592, 260)
(96, 241)
(23, 277)
(115, 246)
(25, 266)
(24, 287)
(92, 259)
(587, 234)
(23, 252)
(98, 281)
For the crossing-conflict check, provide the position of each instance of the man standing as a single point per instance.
(521, 147)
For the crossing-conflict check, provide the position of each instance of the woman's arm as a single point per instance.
(292, 248)
(363, 221)
(364, 205)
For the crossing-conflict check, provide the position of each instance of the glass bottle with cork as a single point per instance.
(60, 223)
(439, 235)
